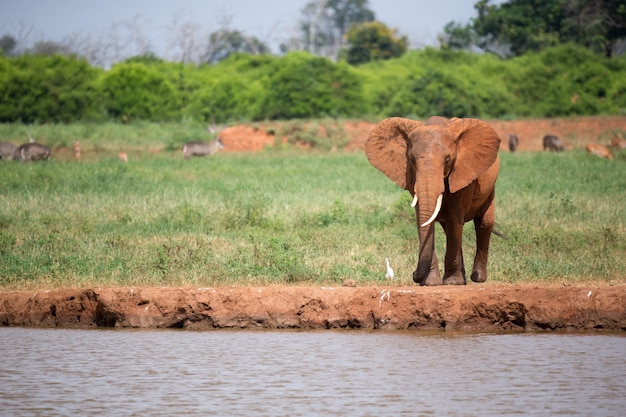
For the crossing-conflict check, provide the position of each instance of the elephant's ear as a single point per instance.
(477, 149)
(386, 148)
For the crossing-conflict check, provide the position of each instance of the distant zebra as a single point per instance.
(202, 148)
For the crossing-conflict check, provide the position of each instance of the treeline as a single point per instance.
(559, 81)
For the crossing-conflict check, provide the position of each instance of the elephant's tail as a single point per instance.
(496, 231)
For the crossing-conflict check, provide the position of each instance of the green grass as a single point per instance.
(288, 217)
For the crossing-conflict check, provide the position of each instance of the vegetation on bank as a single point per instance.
(282, 216)
(559, 81)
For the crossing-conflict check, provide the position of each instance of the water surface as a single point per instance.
(55, 372)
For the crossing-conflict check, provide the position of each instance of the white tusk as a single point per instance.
(414, 202)
(436, 212)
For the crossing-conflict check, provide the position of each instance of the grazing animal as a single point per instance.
(618, 143)
(552, 143)
(31, 151)
(513, 142)
(122, 157)
(389, 275)
(202, 148)
(7, 150)
(76, 149)
(599, 150)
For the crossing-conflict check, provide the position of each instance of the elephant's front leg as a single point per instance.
(433, 277)
(484, 227)
(454, 267)
(427, 271)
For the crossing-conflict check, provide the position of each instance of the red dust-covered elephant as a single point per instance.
(450, 167)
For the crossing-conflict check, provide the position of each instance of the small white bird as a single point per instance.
(390, 273)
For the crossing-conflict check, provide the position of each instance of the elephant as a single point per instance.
(450, 167)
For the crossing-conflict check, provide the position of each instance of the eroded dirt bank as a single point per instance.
(474, 307)
(573, 131)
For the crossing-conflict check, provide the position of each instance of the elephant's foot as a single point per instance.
(455, 279)
(433, 278)
(479, 274)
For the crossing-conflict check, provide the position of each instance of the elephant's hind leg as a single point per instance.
(483, 227)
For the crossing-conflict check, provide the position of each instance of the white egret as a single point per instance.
(390, 275)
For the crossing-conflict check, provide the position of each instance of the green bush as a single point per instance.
(36, 88)
(434, 82)
(561, 81)
(220, 97)
(451, 94)
(135, 90)
(300, 85)
(564, 81)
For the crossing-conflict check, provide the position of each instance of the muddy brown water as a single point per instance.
(55, 372)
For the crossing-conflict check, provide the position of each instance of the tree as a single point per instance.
(7, 45)
(187, 41)
(599, 24)
(372, 41)
(457, 37)
(16, 39)
(224, 43)
(326, 23)
(519, 26)
(50, 48)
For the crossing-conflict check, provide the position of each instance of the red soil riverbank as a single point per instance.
(475, 307)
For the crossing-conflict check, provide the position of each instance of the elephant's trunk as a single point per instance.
(428, 207)
(425, 260)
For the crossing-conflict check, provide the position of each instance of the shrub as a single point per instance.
(563, 81)
(301, 85)
(137, 91)
(43, 89)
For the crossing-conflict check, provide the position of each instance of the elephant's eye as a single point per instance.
(447, 160)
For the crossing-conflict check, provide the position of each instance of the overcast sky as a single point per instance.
(269, 20)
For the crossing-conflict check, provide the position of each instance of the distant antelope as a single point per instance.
(122, 157)
(202, 148)
(213, 128)
(618, 143)
(552, 143)
(76, 149)
(513, 142)
(31, 151)
(599, 150)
